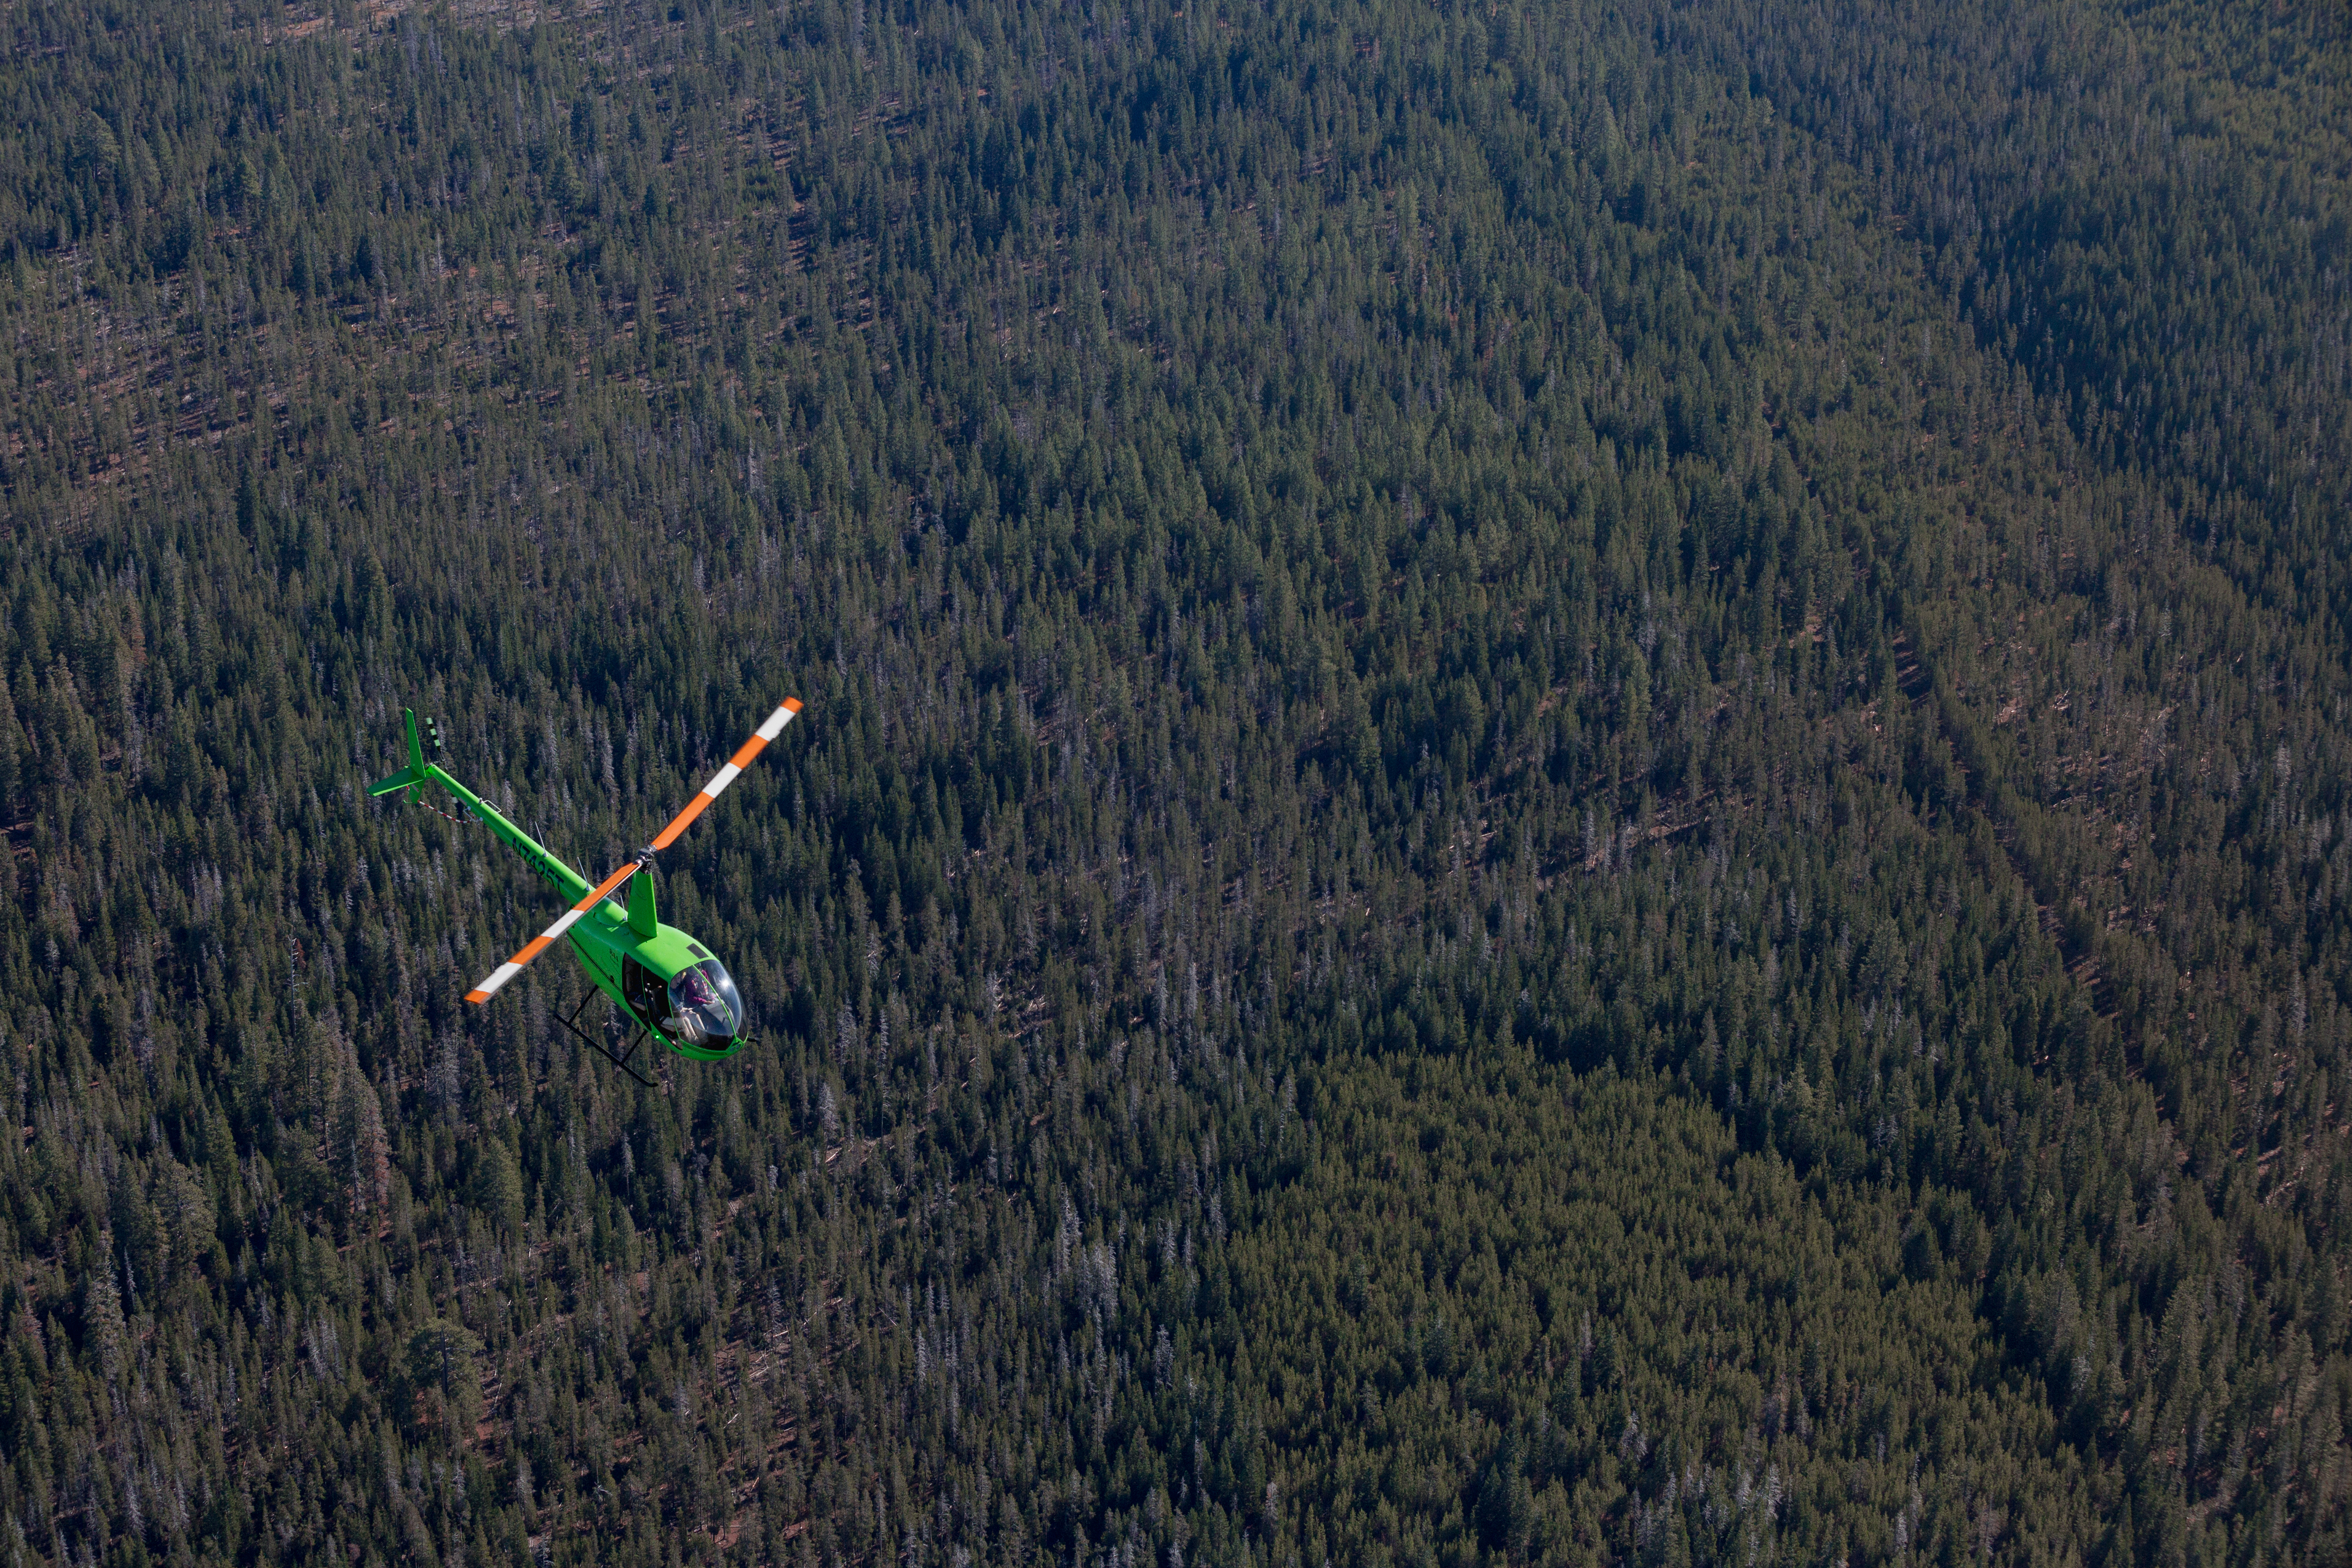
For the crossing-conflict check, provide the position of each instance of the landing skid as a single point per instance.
(599, 1046)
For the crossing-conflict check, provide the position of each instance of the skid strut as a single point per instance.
(621, 1061)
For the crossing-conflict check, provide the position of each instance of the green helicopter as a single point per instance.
(667, 983)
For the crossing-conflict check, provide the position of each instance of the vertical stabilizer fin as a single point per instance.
(414, 773)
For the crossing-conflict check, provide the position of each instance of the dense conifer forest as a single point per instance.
(1577, 784)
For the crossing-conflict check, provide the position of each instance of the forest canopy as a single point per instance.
(1575, 785)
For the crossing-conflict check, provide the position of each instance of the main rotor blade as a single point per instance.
(539, 943)
(766, 732)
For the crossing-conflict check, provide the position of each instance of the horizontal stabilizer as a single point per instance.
(414, 773)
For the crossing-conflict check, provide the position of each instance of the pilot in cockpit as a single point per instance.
(705, 1007)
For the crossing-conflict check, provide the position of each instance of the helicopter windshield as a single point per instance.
(705, 1007)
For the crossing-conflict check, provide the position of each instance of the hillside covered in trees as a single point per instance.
(1576, 790)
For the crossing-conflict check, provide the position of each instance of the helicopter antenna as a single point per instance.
(767, 731)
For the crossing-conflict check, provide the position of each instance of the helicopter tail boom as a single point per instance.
(420, 772)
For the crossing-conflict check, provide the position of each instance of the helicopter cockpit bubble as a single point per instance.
(706, 1009)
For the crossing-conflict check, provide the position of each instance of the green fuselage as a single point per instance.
(637, 971)
(627, 951)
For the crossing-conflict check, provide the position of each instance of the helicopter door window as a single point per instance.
(644, 990)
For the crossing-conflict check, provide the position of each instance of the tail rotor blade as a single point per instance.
(546, 939)
(766, 732)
